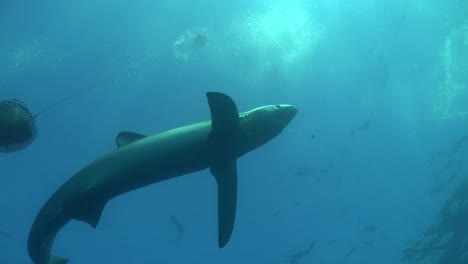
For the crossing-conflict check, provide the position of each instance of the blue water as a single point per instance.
(381, 89)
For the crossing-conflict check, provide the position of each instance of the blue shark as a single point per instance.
(142, 160)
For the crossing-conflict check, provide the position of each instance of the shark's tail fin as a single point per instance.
(57, 260)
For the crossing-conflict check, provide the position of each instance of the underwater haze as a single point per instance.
(371, 170)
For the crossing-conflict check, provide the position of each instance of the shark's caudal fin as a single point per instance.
(224, 133)
(57, 260)
(124, 138)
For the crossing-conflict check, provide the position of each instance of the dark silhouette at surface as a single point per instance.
(200, 40)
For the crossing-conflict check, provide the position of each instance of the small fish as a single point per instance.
(276, 214)
(350, 252)
(294, 258)
(369, 228)
(178, 226)
(303, 171)
(297, 204)
(328, 168)
(6, 235)
(363, 127)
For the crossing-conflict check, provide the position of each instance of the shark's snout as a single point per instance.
(293, 111)
(288, 112)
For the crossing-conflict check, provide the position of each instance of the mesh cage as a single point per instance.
(17, 126)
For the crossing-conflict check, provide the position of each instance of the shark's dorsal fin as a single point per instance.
(224, 115)
(91, 213)
(124, 138)
(225, 130)
(226, 179)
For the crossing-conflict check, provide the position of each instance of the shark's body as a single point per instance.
(141, 161)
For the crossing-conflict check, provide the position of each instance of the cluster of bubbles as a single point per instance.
(276, 38)
(259, 43)
(285, 30)
(453, 90)
(133, 63)
(30, 54)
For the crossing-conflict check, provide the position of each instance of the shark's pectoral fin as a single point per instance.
(124, 138)
(226, 179)
(91, 213)
(225, 127)
(57, 260)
